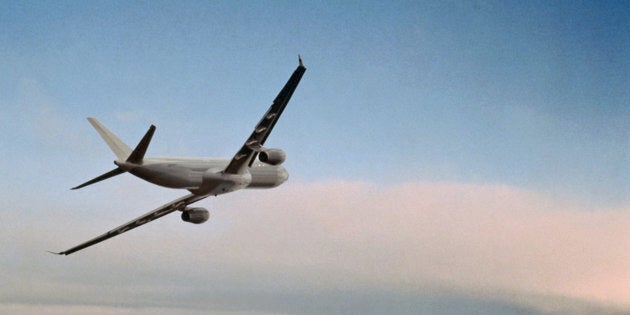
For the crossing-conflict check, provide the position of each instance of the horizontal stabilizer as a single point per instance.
(105, 176)
(138, 153)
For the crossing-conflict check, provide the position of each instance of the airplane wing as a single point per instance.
(248, 152)
(177, 204)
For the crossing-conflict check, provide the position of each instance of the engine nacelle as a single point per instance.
(195, 215)
(272, 156)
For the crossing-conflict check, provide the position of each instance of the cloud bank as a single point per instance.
(335, 247)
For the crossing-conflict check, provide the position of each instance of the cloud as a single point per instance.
(475, 237)
(331, 247)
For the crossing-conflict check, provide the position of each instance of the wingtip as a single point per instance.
(300, 60)
(59, 253)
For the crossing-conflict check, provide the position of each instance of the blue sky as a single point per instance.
(532, 96)
(529, 94)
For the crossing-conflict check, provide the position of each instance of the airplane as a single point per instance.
(253, 166)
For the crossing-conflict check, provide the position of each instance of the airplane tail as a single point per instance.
(137, 154)
(122, 151)
(119, 148)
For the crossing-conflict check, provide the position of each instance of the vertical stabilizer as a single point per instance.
(121, 150)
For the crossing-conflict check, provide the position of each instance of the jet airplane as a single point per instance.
(253, 166)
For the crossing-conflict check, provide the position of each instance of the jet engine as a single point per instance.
(195, 215)
(272, 156)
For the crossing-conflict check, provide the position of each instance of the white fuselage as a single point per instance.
(204, 176)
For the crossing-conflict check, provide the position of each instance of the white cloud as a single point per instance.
(347, 244)
(471, 236)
